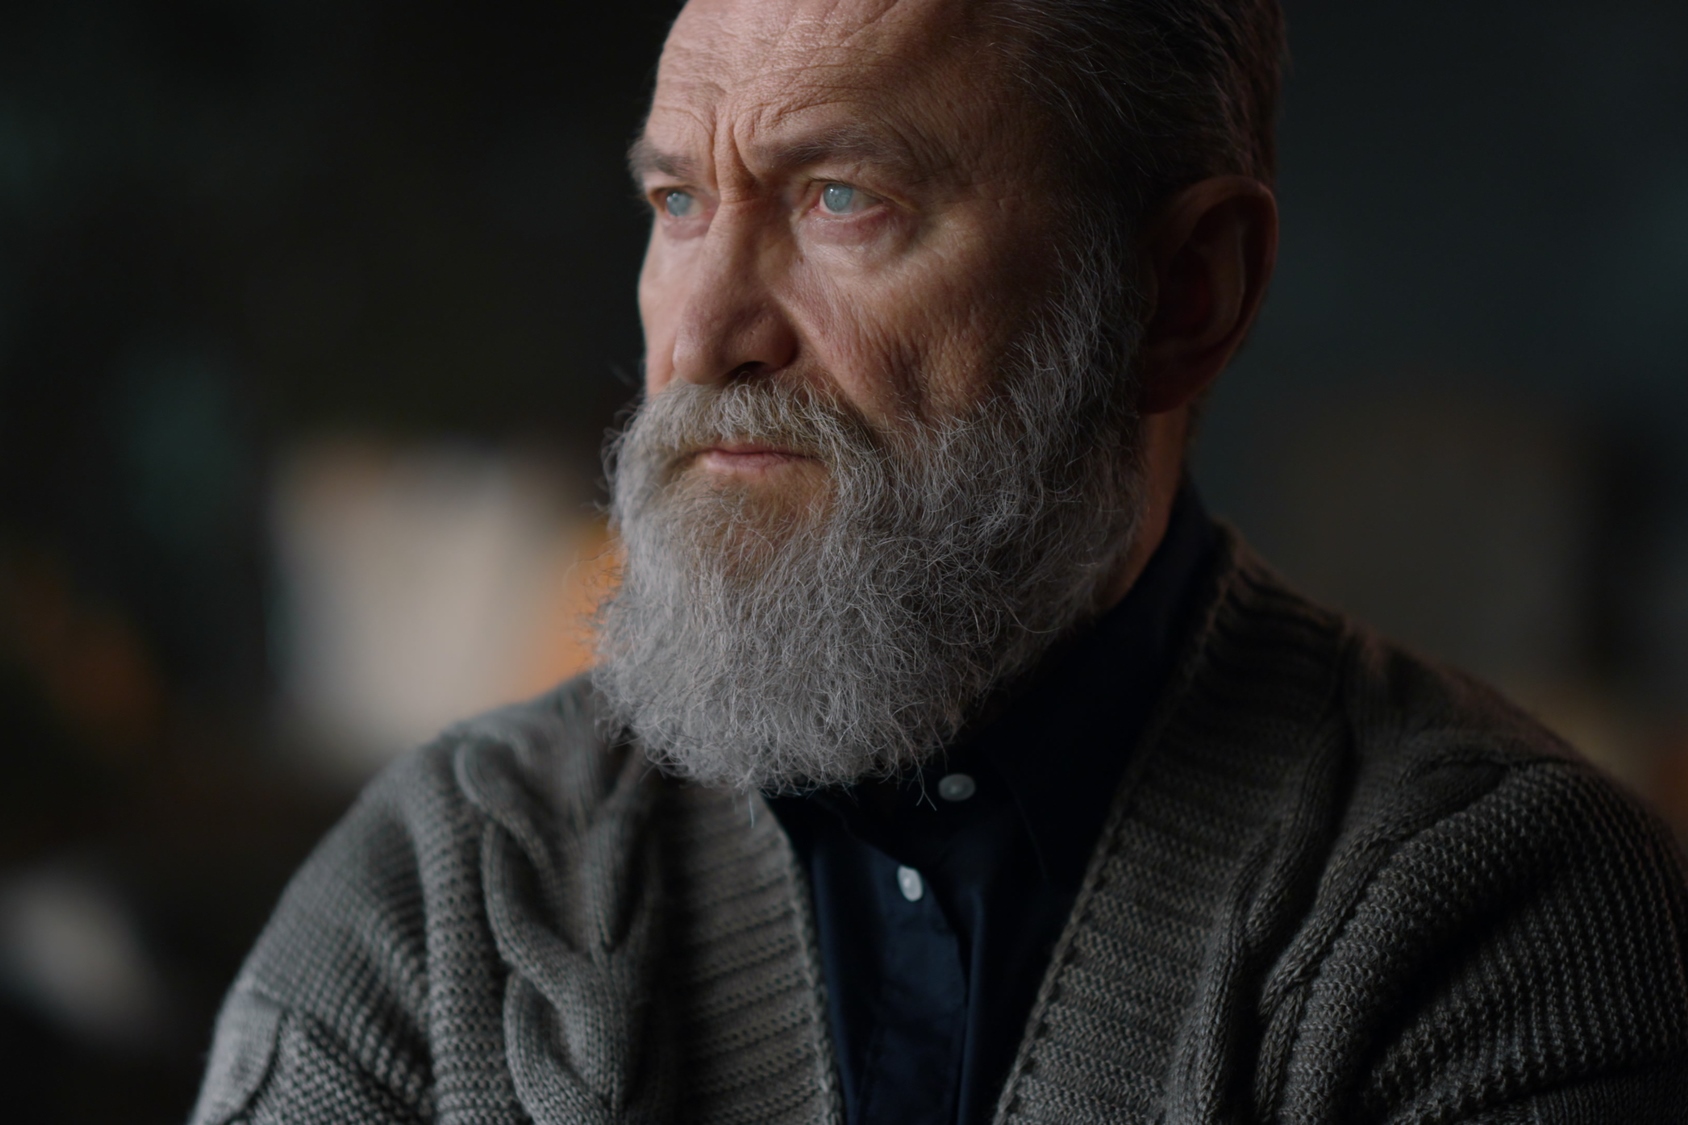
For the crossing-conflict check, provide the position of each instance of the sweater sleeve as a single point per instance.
(1522, 959)
(328, 1019)
(275, 1066)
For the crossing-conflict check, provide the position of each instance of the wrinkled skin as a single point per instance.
(853, 194)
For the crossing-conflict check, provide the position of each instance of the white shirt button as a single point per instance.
(910, 883)
(956, 787)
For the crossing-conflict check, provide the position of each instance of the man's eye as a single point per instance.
(842, 199)
(679, 204)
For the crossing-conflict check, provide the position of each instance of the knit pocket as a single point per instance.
(242, 1052)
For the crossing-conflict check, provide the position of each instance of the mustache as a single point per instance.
(685, 419)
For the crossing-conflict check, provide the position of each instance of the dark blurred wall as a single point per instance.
(1464, 413)
(228, 227)
(225, 226)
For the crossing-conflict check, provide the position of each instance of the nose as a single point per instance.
(732, 325)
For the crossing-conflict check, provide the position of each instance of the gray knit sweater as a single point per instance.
(1337, 885)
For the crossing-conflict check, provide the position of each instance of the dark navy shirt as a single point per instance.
(939, 897)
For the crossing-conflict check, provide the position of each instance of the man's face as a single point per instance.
(843, 198)
(888, 453)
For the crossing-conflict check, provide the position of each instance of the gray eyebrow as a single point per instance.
(846, 142)
(643, 158)
(855, 143)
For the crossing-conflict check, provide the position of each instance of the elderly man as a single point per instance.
(994, 782)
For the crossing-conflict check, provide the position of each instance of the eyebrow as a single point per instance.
(643, 158)
(854, 143)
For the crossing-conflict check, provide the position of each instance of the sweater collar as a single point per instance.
(1062, 744)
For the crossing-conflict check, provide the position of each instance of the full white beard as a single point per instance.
(751, 645)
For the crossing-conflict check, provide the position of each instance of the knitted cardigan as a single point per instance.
(1337, 884)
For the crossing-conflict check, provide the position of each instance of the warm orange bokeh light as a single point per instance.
(563, 644)
(89, 659)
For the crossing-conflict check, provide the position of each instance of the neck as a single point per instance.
(1164, 440)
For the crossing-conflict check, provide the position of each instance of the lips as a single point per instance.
(746, 457)
(751, 449)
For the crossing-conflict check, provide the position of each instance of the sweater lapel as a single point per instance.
(747, 965)
(1139, 1002)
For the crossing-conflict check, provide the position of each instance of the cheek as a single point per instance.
(861, 344)
(984, 312)
(658, 318)
(924, 339)
(970, 322)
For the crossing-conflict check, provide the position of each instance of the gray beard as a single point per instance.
(757, 645)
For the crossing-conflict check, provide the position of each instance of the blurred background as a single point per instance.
(313, 316)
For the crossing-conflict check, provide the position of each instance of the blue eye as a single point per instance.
(679, 204)
(839, 199)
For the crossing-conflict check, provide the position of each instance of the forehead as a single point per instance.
(770, 66)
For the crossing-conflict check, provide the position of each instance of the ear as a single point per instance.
(1208, 257)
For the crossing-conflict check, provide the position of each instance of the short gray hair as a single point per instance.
(1149, 96)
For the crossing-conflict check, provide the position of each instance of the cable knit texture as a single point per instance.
(1338, 884)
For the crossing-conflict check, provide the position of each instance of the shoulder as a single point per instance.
(1489, 917)
(387, 915)
(419, 822)
(1414, 740)
(1442, 769)
(1400, 708)
(394, 861)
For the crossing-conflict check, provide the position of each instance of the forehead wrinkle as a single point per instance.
(746, 93)
(844, 22)
(837, 24)
(795, 43)
(646, 156)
